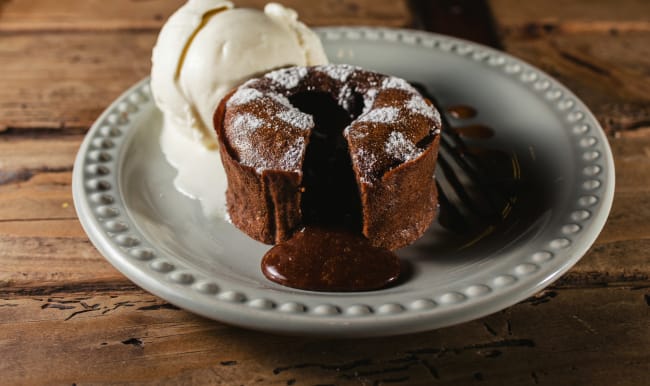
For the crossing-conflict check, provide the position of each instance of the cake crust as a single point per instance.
(392, 141)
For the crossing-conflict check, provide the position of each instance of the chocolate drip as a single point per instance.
(330, 259)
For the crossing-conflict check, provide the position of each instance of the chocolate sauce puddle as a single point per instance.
(330, 259)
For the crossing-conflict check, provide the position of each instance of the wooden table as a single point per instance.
(68, 317)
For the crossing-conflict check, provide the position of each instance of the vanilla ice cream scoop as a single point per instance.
(208, 47)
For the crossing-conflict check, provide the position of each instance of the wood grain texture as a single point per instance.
(598, 49)
(67, 316)
(564, 336)
(90, 15)
(37, 152)
(97, 15)
(43, 255)
(610, 73)
(70, 78)
(73, 76)
(577, 16)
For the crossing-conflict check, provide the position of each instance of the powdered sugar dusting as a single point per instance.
(246, 123)
(243, 96)
(369, 99)
(281, 99)
(340, 72)
(382, 115)
(248, 94)
(397, 83)
(345, 97)
(296, 118)
(291, 158)
(244, 141)
(419, 106)
(358, 134)
(287, 147)
(365, 160)
(249, 83)
(400, 147)
(287, 77)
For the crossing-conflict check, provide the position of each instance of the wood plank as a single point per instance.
(609, 72)
(90, 71)
(35, 15)
(97, 15)
(622, 250)
(587, 336)
(38, 152)
(632, 161)
(532, 18)
(610, 263)
(38, 254)
(35, 176)
(72, 77)
(600, 54)
(35, 197)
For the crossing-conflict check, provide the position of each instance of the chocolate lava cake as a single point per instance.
(332, 145)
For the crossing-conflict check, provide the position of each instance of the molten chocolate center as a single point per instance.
(331, 197)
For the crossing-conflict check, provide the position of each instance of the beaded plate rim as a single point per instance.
(100, 209)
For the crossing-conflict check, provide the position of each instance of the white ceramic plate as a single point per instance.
(160, 239)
